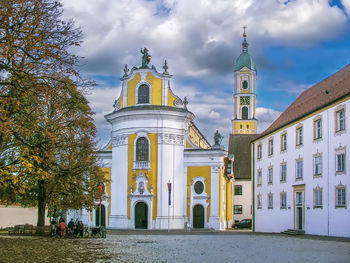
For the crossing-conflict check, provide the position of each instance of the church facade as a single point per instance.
(163, 172)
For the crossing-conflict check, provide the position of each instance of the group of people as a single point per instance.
(72, 229)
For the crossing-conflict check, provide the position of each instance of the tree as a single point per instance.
(47, 133)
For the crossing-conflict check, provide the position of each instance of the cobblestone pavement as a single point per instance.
(211, 246)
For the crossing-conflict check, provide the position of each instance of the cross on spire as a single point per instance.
(244, 28)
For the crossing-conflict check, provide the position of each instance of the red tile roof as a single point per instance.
(318, 96)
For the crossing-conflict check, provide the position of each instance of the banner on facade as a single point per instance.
(169, 190)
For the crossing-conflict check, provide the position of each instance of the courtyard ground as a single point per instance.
(176, 246)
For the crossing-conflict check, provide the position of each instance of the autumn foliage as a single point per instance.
(47, 155)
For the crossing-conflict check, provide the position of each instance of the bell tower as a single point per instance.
(244, 121)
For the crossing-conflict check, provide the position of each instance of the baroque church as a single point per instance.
(163, 172)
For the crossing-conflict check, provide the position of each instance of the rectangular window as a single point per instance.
(283, 177)
(283, 200)
(238, 209)
(299, 169)
(340, 115)
(341, 197)
(238, 190)
(300, 136)
(270, 201)
(299, 198)
(259, 151)
(318, 129)
(317, 197)
(317, 165)
(270, 147)
(259, 177)
(270, 175)
(340, 162)
(283, 142)
(259, 201)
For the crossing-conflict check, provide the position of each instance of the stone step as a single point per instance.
(294, 232)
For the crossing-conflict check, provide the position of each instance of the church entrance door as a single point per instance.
(103, 215)
(141, 213)
(198, 216)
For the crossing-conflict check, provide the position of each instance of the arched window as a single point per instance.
(143, 94)
(141, 149)
(245, 113)
(245, 84)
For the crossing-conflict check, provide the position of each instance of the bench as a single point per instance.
(21, 229)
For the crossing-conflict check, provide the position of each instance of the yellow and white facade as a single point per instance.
(244, 121)
(154, 142)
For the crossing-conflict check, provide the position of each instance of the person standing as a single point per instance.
(70, 227)
(62, 227)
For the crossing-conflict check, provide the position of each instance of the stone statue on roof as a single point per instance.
(217, 138)
(146, 58)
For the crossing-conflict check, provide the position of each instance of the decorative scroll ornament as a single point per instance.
(119, 140)
(168, 138)
(116, 104)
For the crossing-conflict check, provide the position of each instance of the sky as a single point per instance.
(295, 44)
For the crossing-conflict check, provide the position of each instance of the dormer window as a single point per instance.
(143, 94)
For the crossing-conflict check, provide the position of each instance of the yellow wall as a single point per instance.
(151, 175)
(152, 179)
(220, 195)
(156, 88)
(237, 124)
(121, 100)
(197, 139)
(192, 172)
(132, 89)
(107, 171)
(229, 199)
(171, 98)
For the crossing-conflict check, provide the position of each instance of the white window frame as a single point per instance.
(283, 200)
(317, 165)
(283, 173)
(270, 175)
(259, 201)
(340, 120)
(340, 167)
(340, 189)
(283, 142)
(318, 129)
(270, 147)
(318, 199)
(259, 177)
(270, 201)
(299, 136)
(259, 151)
(299, 169)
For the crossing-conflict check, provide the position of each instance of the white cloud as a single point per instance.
(199, 39)
(265, 117)
(346, 4)
(195, 42)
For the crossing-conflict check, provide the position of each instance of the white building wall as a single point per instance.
(328, 220)
(244, 200)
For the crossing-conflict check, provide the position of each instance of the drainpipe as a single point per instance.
(328, 172)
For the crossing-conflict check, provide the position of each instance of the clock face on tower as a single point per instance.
(245, 100)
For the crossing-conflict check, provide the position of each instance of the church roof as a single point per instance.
(245, 60)
(318, 96)
(239, 146)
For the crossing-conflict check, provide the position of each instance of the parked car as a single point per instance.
(244, 223)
